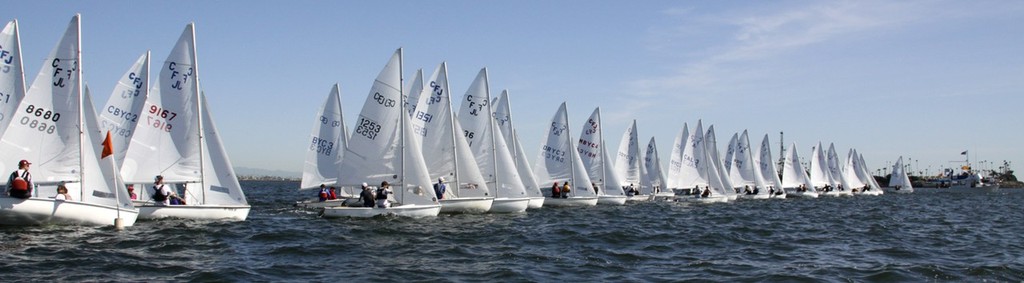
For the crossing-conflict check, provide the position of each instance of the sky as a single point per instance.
(925, 80)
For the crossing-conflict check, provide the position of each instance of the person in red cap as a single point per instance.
(20, 183)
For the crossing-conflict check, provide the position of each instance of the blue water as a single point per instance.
(925, 236)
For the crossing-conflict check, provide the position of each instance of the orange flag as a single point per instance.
(108, 147)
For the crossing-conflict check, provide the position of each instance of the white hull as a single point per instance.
(778, 196)
(870, 193)
(510, 205)
(611, 200)
(536, 202)
(466, 205)
(40, 211)
(758, 196)
(900, 191)
(637, 198)
(322, 204)
(836, 193)
(807, 194)
(409, 210)
(202, 211)
(571, 202)
(711, 199)
(965, 189)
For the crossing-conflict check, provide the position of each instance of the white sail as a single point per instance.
(125, 106)
(377, 151)
(220, 183)
(819, 168)
(559, 161)
(328, 140)
(742, 171)
(627, 159)
(730, 151)
(12, 74)
(793, 173)
(694, 171)
(594, 155)
(835, 169)
(166, 139)
(711, 144)
(899, 176)
(56, 128)
(509, 183)
(412, 94)
(719, 184)
(675, 162)
(867, 173)
(851, 170)
(444, 146)
(475, 118)
(766, 164)
(652, 166)
(503, 120)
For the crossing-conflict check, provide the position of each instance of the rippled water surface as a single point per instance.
(925, 236)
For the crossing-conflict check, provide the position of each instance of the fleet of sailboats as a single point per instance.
(411, 150)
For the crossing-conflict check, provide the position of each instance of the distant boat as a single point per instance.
(594, 154)
(12, 79)
(839, 181)
(856, 176)
(445, 149)
(743, 172)
(559, 162)
(180, 142)
(899, 182)
(867, 174)
(819, 174)
(711, 143)
(493, 156)
(627, 165)
(381, 150)
(794, 178)
(503, 119)
(327, 142)
(652, 176)
(967, 180)
(56, 128)
(700, 172)
(765, 167)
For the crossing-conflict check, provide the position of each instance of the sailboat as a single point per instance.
(711, 144)
(899, 181)
(503, 117)
(794, 178)
(445, 149)
(627, 164)
(559, 162)
(381, 150)
(180, 142)
(492, 153)
(866, 175)
(765, 168)
(55, 126)
(675, 162)
(594, 155)
(699, 172)
(327, 143)
(653, 176)
(743, 173)
(12, 79)
(839, 181)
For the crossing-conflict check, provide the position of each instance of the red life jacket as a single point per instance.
(19, 182)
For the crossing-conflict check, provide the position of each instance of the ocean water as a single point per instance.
(925, 236)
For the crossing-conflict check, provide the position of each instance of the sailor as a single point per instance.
(161, 195)
(440, 188)
(565, 189)
(556, 191)
(366, 196)
(20, 183)
(324, 195)
(382, 195)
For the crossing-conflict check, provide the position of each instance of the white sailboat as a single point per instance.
(492, 153)
(55, 126)
(899, 181)
(327, 142)
(866, 175)
(381, 150)
(627, 164)
(559, 162)
(445, 149)
(698, 172)
(765, 167)
(839, 180)
(503, 117)
(743, 173)
(712, 148)
(794, 178)
(654, 176)
(594, 154)
(675, 162)
(12, 78)
(179, 141)
(820, 174)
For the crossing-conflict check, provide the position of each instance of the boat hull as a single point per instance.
(536, 202)
(466, 205)
(611, 200)
(807, 194)
(571, 201)
(322, 204)
(711, 199)
(42, 211)
(408, 210)
(510, 205)
(638, 198)
(757, 196)
(900, 191)
(201, 212)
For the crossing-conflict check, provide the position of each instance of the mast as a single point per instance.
(782, 150)
(604, 151)
(490, 125)
(81, 116)
(404, 115)
(199, 111)
(451, 124)
(568, 140)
